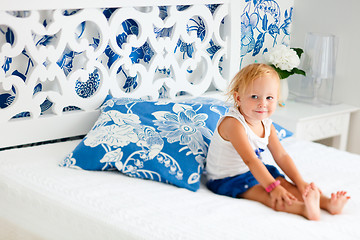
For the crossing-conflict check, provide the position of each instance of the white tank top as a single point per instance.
(223, 160)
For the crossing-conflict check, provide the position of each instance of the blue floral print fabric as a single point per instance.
(282, 132)
(157, 140)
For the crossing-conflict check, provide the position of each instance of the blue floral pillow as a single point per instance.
(281, 132)
(162, 141)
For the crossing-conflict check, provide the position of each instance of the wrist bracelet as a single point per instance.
(272, 186)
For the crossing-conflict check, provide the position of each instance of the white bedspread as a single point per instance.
(62, 203)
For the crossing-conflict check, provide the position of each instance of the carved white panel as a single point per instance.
(59, 65)
(178, 45)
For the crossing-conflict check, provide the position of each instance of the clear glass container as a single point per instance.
(319, 63)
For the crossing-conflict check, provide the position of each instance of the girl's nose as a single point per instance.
(262, 103)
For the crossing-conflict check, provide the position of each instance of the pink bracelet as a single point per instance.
(272, 186)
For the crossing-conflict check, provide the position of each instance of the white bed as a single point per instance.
(62, 203)
(40, 200)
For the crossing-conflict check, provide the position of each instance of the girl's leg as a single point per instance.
(333, 205)
(308, 209)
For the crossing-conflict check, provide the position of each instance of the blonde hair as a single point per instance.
(246, 76)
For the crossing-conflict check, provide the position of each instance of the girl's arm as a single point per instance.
(232, 130)
(284, 161)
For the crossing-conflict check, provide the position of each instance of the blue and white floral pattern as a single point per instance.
(86, 89)
(282, 132)
(13, 66)
(184, 126)
(264, 24)
(162, 141)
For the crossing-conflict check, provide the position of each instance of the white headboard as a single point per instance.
(60, 59)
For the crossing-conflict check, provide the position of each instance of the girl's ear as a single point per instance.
(237, 98)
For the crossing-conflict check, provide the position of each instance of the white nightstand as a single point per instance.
(309, 122)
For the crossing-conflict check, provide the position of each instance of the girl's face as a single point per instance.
(260, 99)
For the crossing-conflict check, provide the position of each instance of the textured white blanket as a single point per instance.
(62, 203)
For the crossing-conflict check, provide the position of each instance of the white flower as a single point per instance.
(119, 134)
(185, 126)
(282, 57)
(111, 135)
(69, 161)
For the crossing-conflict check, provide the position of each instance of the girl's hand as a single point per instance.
(280, 196)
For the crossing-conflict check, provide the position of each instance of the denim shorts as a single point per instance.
(234, 186)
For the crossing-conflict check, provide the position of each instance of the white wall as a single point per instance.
(342, 19)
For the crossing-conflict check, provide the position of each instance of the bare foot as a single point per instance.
(312, 202)
(337, 202)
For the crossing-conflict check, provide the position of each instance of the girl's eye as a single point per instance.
(269, 98)
(254, 97)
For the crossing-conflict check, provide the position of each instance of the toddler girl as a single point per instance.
(234, 166)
